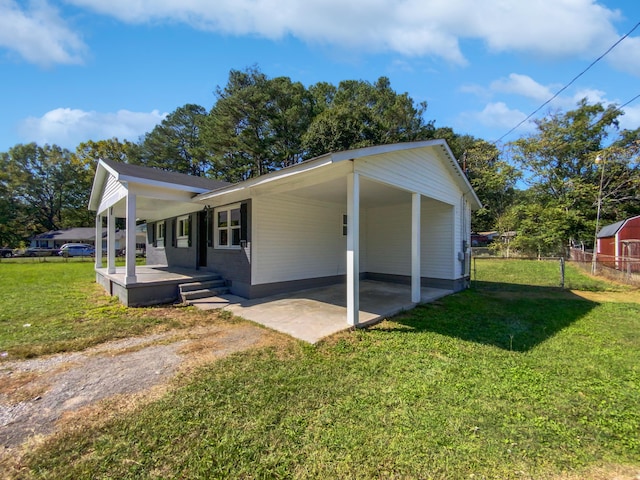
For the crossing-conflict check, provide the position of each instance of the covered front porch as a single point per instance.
(155, 284)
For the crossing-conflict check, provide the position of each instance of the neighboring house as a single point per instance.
(56, 238)
(395, 213)
(618, 242)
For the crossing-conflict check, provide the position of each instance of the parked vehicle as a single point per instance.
(77, 250)
(39, 252)
(6, 252)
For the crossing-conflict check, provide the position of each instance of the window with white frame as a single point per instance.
(160, 234)
(228, 226)
(344, 224)
(183, 229)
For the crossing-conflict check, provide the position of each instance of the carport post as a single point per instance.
(415, 248)
(98, 241)
(353, 248)
(130, 258)
(111, 241)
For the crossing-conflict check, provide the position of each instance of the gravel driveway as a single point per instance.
(36, 394)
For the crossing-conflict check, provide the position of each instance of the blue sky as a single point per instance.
(76, 70)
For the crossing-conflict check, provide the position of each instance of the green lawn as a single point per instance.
(514, 378)
(53, 305)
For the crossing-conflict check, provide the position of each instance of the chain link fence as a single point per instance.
(620, 269)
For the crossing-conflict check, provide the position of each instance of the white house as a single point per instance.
(395, 213)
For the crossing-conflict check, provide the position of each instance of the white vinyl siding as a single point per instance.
(296, 238)
(439, 253)
(413, 171)
(389, 240)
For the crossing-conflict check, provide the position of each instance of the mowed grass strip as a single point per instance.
(51, 307)
(494, 382)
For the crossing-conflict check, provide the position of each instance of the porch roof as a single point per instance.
(439, 147)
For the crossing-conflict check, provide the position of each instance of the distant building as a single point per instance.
(56, 238)
(618, 244)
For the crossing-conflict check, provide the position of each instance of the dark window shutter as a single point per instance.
(190, 229)
(244, 228)
(209, 226)
(151, 234)
(174, 233)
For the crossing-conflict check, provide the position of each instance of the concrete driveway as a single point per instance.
(311, 315)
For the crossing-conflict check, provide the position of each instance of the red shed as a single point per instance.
(620, 241)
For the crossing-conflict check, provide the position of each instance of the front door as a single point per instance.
(203, 228)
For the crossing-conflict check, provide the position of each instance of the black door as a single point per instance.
(203, 228)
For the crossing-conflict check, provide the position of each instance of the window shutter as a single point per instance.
(151, 234)
(244, 228)
(190, 229)
(209, 226)
(174, 233)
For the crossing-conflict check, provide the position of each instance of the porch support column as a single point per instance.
(415, 248)
(353, 248)
(130, 258)
(98, 240)
(111, 241)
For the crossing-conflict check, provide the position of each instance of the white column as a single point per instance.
(415, 248)
(353, 248)
(98, 243)
(111, 241)
(130, 258)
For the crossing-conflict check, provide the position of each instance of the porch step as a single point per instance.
(209, 288)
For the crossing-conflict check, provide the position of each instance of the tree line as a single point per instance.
(544, 185)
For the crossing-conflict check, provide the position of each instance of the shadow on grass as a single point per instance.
(508, 316)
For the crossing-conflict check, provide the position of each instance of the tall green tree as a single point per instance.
(493, 179)
(360, 114)
(90, 152)
(49, 187)
(559, 165)
(176, 143)
(257, 124)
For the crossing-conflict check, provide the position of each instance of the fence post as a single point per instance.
(561, 272)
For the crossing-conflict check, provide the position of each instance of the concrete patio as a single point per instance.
(311, 315)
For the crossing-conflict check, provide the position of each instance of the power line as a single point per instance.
(571, 82)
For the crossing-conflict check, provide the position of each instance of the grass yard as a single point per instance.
(513, 378)
(55, 306)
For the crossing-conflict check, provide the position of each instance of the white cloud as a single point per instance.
(522, 85)
(631, 118)
(496, 116)
(553, 28)
(626, 56)
(38, 34)
(68, 127)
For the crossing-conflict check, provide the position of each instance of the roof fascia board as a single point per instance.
(268, 178)
(157, 183)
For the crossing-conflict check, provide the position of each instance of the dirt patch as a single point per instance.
(40, 396)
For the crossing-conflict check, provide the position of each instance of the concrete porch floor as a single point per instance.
(311, 315)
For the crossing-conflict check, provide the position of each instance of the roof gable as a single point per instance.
(124, 173)
(127, 172)
(440, 147)
(612, 229)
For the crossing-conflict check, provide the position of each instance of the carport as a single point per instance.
(314, 314)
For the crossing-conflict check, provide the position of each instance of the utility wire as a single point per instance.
(571, 82)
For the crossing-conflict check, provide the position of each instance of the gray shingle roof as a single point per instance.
(155, 174)
(610, 230)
